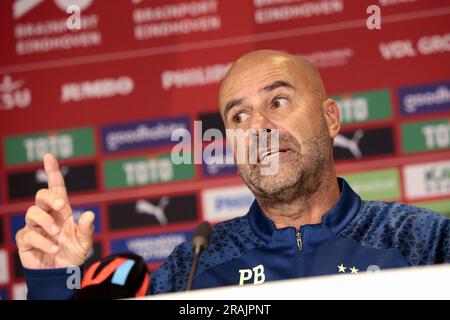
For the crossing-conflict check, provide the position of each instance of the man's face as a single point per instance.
(273, 94)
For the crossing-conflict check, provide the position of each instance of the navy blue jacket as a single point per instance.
(354, 236)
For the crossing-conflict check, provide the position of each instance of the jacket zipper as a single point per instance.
(298, 236)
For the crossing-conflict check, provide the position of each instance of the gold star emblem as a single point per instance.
(354, 270)
(342, 268)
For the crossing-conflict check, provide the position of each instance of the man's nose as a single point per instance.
(259, 121)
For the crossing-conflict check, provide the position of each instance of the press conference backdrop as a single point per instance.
(106, 98)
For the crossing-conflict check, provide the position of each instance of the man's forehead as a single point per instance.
(255, 78)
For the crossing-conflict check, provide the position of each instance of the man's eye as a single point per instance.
(279, 102)
(240, 117)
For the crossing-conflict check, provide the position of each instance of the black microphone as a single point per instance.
(119, 276)
(200, 240)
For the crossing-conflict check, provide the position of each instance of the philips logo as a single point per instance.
(194, 77)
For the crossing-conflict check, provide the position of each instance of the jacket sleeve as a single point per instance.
(429, 238)
(51, 284)
(444, 250)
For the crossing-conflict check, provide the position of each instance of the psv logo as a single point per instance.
(255, 275)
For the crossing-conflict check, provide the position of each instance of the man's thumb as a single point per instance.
(85, 229)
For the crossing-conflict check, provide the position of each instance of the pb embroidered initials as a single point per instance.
(257, 273)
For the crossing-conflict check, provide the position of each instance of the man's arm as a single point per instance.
(50, 284)
(51, 240)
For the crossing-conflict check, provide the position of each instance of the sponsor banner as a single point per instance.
(336, 55)
(221, 204)
(426, 136)
(77, 178)
(376, 185)
(330, 57)
(3, 294)
(4, 267)
(139, 171)
(17, 221)
(427, 180)
(363, 143)
(64, 144)
(424, 99)
(424, 44)
(152, 212)
(440, 206)
(176, 19)
(190, 93)
(37, 29)
(197, 76)
(143, 134)
(120, 91)
(276, 15)
(153, 249)
(41, 28)
(366, 106)
(101, 88)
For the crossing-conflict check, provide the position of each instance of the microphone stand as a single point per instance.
(199, 242)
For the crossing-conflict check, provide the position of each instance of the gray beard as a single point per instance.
(313, 161)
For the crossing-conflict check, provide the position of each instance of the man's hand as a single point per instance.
(51, 238)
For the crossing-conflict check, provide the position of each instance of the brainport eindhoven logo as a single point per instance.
(250, 147)
(22, 7)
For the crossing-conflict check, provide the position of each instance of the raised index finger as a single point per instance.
(54, 175)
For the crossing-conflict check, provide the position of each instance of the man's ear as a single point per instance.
(332, 116)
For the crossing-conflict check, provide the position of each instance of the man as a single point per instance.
(305, 221)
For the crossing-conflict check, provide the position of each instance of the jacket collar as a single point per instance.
(334, 220)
